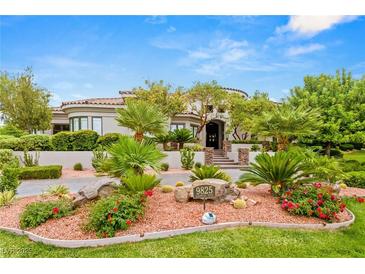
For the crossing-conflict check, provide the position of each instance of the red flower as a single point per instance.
(310, 201)
(320, 195)
(317, 185)
(342, 207)
(319, 209)
(323, 216)
(55, 210)
(128, 222)
(333, 197)
(320, 203)
(288, 193)
(291, 205)
(284, 204)
(148, 193)
(360, 199)
(115, 209)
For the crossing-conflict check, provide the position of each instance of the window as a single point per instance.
(194, 129)
(97, 125)
(60, 127)
(78, 123)
(175, 126)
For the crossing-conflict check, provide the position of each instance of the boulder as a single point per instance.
(220, 187)
(93, 191)
(182, 194)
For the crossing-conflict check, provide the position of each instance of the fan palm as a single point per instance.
(208, 172)
(281, 171)
(182, 136)
(129, 154)
(140, 182)
(163, 139)
(142, 117)
(286, 123)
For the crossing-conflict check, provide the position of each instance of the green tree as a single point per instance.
(24, 103)
(242, 112)
(287, 123)
(170, 102)
(204, 98)
(142, 117)
(340, 100)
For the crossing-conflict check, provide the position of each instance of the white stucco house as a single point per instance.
(99, 114)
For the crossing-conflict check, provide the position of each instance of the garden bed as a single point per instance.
(163, 213)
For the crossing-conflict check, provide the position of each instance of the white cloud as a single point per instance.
(294, 51)
(171, 29)
(309, 26)
(156, 20)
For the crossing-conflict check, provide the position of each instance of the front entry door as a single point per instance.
(212, 135)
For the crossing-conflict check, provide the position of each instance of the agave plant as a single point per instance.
(142, 117)
(208, 172)
(281, 171)
(139, 182)
(182, 136)
(7, 197)
(58, 190)
(130, 154)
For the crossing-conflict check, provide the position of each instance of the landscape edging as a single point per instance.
(170, 233)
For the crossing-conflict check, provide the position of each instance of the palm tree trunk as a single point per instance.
(181, 146)
(328, 149)
(138, 136)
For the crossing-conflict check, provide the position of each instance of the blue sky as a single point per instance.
(96, 56)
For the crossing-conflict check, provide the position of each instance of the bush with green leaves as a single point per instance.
(346, 147)
(62, 141)
(78, 167)
(37, 213)
(40, 142)
(11, 130)
(198, 164)
(187, 158)
(164, 166)
(355, 179)
(334, 152)
(99, 159)
(255, 147)
(7, 197)
(108, 139)
(351, 165)
(164, 139)
(113, 213)
(3, 137)
(7, 158)
(30, 159)
(182, 136)
(195, 147)
(209, 172)
(40, 172)
(129, 154)
(60, 191)
(247, 141)
(11, 143)
(82, 140)
(9, 179)
(139, 182)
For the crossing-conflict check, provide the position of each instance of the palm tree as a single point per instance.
(182, 136)
(281, 171)
(142, 117)
(129, 154)
(287, 123)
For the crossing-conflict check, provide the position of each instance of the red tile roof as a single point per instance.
(96, 101)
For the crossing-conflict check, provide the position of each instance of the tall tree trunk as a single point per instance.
(282, 143)
(181, 146)
(328, 149)
(138, 136)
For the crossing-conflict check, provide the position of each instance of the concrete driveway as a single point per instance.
(35, 187)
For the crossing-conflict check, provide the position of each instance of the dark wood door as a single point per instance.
(212, 131)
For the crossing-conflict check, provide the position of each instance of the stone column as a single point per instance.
(208, 153)
(227, 147)
(243, 156)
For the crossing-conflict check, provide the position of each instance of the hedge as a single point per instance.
(108, 139)
(346, 147)
(351, 165)
(81, 140)
(10, 143)
(27, 142)
(40, 172)
(356, 179)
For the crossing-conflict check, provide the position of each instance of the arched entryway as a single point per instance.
(214, 134)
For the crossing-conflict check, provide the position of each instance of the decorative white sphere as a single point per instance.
(209, 218)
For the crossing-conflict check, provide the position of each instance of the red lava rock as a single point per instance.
(164, 213)
(70, 173)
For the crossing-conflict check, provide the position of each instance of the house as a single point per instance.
(99, 114)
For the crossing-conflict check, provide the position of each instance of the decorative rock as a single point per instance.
(220, 187)
(182, 194)
(252, 202)
(93, 191)
(209, 218)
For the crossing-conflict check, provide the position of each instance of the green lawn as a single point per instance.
(358, 155)
(242, 242)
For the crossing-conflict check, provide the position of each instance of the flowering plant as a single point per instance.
(318, 200)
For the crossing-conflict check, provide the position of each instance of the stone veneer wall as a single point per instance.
(227, 147)
(209, 153)
(243, 156)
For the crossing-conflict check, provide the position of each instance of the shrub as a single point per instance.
(164, 166)
(108, 139)
(355, 179)
(3, 137)
(35, 142)
(241, 184)
(40, 172)
(60, 191)
(39, 212)
(198, 164)
(255, 147)
(99, 157)
(351, 165)
(30, 160)
(139, 182)
(9, 179)
(84, 140)
(167, 189)
(239, 203)
(316, 200)
(187, 158)
(11, 130)
(209, 172)
(182, 136)
(249, 141)
(7, 197)
(195, 147)
(10, 143)
(358, 146)
(62, 141)
(114, 213)
(346, 147)
(78, 166)
(179, 183)
(7, 158)
(333, 152)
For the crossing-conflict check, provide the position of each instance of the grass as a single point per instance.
(241, 242)
(358, 155)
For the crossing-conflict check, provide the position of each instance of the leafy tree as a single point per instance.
(24, 103)
(203, 98)
(340, 100)
(142, 117)
(168, 101)
(287, 123)
(242, 112)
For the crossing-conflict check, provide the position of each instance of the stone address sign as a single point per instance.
(204, 192)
